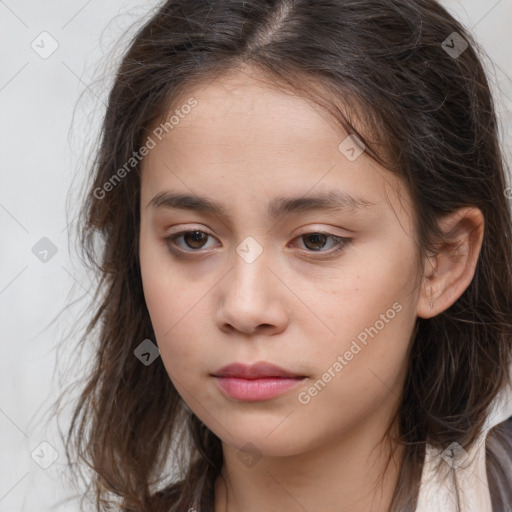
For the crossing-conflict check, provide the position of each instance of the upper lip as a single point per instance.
(254, 371)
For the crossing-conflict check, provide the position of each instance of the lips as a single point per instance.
(259, 370)
(255, 383)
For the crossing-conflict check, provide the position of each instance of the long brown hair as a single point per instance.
(424, 113)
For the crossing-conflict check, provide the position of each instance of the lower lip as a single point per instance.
(256, 389)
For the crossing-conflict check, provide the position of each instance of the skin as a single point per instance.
(243, 145)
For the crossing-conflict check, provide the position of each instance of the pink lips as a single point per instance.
(260, 381)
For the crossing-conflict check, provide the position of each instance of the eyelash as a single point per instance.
(341, 242)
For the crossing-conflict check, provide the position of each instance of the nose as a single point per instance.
(253, 298)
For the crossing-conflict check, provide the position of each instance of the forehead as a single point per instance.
(244, 104)
(260, 140)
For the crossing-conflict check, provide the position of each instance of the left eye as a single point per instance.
(318, 239)
(195, 239)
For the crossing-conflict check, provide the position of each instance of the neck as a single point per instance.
(347, 475)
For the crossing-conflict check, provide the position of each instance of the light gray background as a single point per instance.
(46, 129)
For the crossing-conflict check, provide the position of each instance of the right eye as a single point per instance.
(194, 239)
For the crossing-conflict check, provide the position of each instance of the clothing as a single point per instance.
(437, 490)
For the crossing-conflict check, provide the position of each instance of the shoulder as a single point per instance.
(498, 452)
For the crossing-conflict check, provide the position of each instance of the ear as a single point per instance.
(450, 271)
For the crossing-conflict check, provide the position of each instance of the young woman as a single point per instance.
(305, 262)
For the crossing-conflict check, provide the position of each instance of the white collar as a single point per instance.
(437, 491)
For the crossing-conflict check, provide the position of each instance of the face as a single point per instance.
(326, 292)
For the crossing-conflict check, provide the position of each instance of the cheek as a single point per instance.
(372, 314)
(174, 316)
(176, 329)
(363, 369)
(367, 288)
(171, 303)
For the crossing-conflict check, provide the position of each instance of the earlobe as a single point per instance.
(451, 269)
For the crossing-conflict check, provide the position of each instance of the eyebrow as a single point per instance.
(334, 200)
